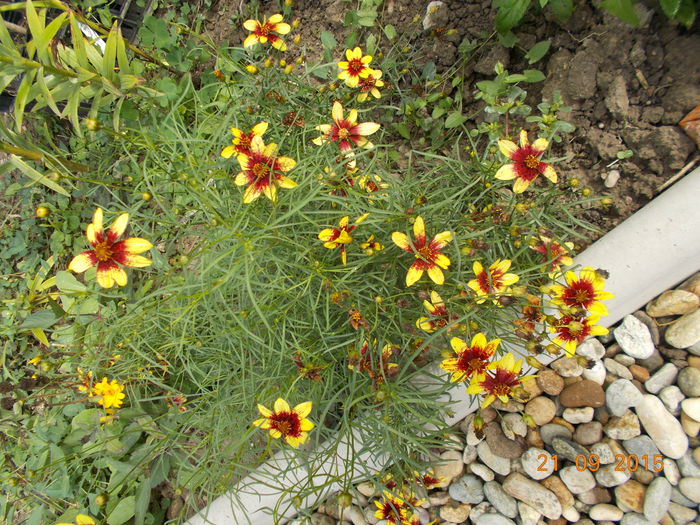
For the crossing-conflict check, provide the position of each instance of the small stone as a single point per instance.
(578, 415)
(605, 512)
(571, 515)
(534, 494)
(690, 488)
(366, 488)
(567, 367)
(550, 431)
(665, 376)
(596, 373)
(436, 14)
(531, 389)
(550, 382)
(625, 427)
(602, 450)
(692, 284)
(481, 508)
(653, 362)
(607, 476)
(507, 448)
(595, 496)
(582, 394)
(678, 497)
(685, 331)
(657, 498)
(688, 465)
(515, 424)
(634, 338)
(467, 426)
(355, 515)
(455, 512)
(577, 481)
(510, 406)
(492, 518)
(671, 397)
(621, 395)
(617, 101)
(467, 489)
(533, 438)
(450, 466)
(563, 494)
(496, 463)
(528, 515)
(673, 302)
(616, 368)
(588, 433)
(542, 410)
(568, 449)
(469, 454)
(641, 446)
(611, 178)
(639, 373)
(643, 476)
(691, 407)
(689, 381)
(662, 427)
(438, 499)
(482, 471)
(670, 470)
(321, 519)
(537, 463)
(633, 518)
(591, 348)
(501, 501)
(650, 324)
(630, 496)
(680, 514)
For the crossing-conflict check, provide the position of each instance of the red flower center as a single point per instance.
(580, 293)
(244, 142)
(500, 384)
(343, 133)
(264, 29)
(103, 251)
(532, 162)
(486, 284)
(426, 253)
(288, 423)
(261, 170)
(355, 66)
(367, 83)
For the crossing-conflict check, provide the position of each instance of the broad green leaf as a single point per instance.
(687, 12)
(390, 32)
(41, 319)
(6, 39)
(371, 45)
(328, 41)
(71, 110)
(110, 53)
(123, 512)
(43, 40)
(510, 13)
(670, 7)
(122, 59)
(508, 39)
(533, 75)
(623, 9)
(454, 119)
(562, 9)
(538, 51)
(36, 176)
(40, 336)
(88, 419)
(36, 27)
(66, 282)
(402, 129)
(143, 498)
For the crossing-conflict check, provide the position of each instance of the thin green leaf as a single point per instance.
(71, 110)
(48, 97)
(5, 38)
(22, 97)
(143, 498)
(36, 27)
(43, 40)
(36, 176)
(122, 59)
(110, 54)
(78, 41)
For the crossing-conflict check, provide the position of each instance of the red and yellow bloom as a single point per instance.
(554, 253)
(355, 68)
(346, 131)
(264, 32)
(500, 381)
(582, 292)
(493, 281)
(286, 422)
(263, 171)
(526, 165)
(427, 254)
(370, 246)
(395, 510)
(369, 85)
(472, 359)
(108, 250)
(110, 393)
(334, 237)
(243, 141)
(572, 331)
(439, 317)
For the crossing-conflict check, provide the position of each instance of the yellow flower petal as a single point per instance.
(285, 163)
(352, 117)
(119, 225)
(251, 40)
(135, 245)
(106, 277)
(303, 409)
(435, 273)
(401, 240)
(135, 261)
(413, 275)
(419, 228)
(270, 192)
(282, 28)
(281, 406)
(523, 138)
(286, 183)
(506, 172)
(550, 174)
(228, 152)
(520, 185)
(337, 112)
(366, 128)
(442, 260)
(82, 262)
(251, 194)
(241, 179)
(279, 44)
(540, 144)
(251, 25)
(275, 19)
(507, 147)
(458, 345)
(306, 425)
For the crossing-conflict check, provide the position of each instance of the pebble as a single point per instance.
(607, 476)
(482, 471)
(497, 440)
(550, 382)
(690, 488)
(436, 13)
(577, 481)
(496, 463)
(688, 466)
(567, 367)
(455, 513)
(563, 494)
(650, 324)
(534, 494)
(542, 409)
(366, 488)
(680, 514)
(578, 415)
(530, 390)
(630, 496)
(570, 514)
(657, 498)
(595, 496)
(671, 397)
(535, 466)
(678, 497)
(653, 362)
(621, 395)
(632, 518)
(662, 427)
(588, 433)
(641, 446)
(634, 338)
(605, 512)
(664, 376)
(481, 508)
(355, 515)
(582, 394)
(611, 178)
(673, 302)
(467, 489)
(604, 453)
(568, 449)
(639, 373)
(691, 407)
(469, 454)
(591, 348)
(491, 518)
(528, 515)
(617, 369)
(625, 427)
(685, 331)
(513, 424)
(437, 499)
(501, 501)
(596, 373)
(449, 467)
(670, 470)
(553, 430)
(689, 381)
(624, 360)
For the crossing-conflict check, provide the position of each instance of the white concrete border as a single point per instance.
(651, 251)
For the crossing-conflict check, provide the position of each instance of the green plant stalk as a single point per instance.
(33, 155)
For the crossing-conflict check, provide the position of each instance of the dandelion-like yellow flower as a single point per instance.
(264, 32)
(286, 422)
(111, 394)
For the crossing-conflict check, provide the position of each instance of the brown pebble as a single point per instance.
(489, 414)
(612, 350)
(497, 440)
(667, 520)
(572, 380)
(672, 353)
(550, 382)
(559, 521)
(563, 422)
(630, 495)
(639, 386)
(694, 361)
(640, 373)
(533, 438)
(595, 495)
(542, 409)
(588, 433)
(531, 389)
(643, 476)
(601, 414)
(563, 494)
(680, 363)
(585, 393)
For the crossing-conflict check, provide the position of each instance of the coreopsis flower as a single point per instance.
(500, 381)
(355, 68)
(429, 480)
(531, 315)
(554, 253)
(80, 519)
(427, 254)
(263, 171)
(377, 369)
(370, 246)
(526, 165)
(572, 331)
(308, 370)
(265, 32)
(369, 85)
(110, 393)
(334, 237)
(242, 141)
(372, 184)
(108, 250)
(86, 382)
(582, 292)
(493, 281)
(286, 422)
(472, 359)
(439, 317)
(346, 131)
(394, 510)
(356, 319)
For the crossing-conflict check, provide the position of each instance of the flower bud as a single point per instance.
(344, 499)
(92, 124)
(533, 362)
(253, 70)
(42, 212)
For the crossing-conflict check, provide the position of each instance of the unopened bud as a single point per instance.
(533, 362)
(92, 124)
